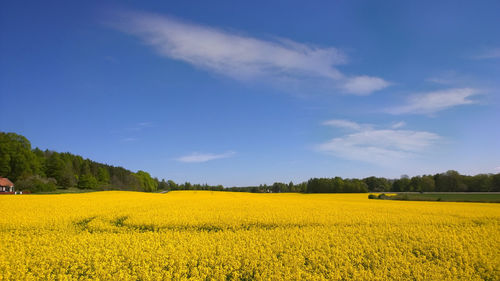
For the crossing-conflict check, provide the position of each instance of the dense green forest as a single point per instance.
(40, 171)
(43, 171)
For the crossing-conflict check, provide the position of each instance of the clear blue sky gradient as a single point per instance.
(74, 78)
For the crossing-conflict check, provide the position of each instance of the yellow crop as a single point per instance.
(386, 194)
(203, 235)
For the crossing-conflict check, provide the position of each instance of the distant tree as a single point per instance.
(172, 185)
(301, 187)
(77, 162)
(401, 185)
(163, 185)
(68, 178)
(449, 181)
(479, 183)
(427, 184)
(495, 182)
(103, 176)
(85, 168)
(147, 183)
(41, 158)
(337, 185)
(55, 167)
(377, 184)
(415, 184)
(278, 187)
(186, 186)
(354, 186)
(16, 158)
(4, 164)
(87, 182)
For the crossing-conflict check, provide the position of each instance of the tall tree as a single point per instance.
(146, 182)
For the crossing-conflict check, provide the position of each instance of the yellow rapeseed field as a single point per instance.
(203, 235)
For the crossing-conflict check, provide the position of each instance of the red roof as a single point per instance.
(6, 182)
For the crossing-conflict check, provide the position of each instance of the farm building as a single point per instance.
(6, 185)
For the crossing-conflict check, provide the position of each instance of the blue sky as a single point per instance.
(248, 93)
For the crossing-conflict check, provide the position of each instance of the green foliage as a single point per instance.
(278, 187)
(401, 185)
(55, 166)
(377, 184)
(336, 185)
(16, 158)
(36, 184)
(87, 182)
(450, 181)
(495, 183)
(147, 183)
(59, 167)
(163, 185)
(4, 163)
(479, 183)
(171, 185)
(103, 176)
(18, 161)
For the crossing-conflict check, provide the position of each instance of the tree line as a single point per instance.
(450, 181)
(40, 171)
(37, 171)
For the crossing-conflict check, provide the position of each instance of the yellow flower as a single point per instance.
(203, 235)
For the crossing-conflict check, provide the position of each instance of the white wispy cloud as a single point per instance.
(379, 146)
(435, 101)
(439, 80)
(398, 125)
(364, 85)
(449, 77)
(343, 124)
(490, 53)
(196, 157)
(243, 57)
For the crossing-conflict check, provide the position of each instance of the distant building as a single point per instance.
(6, 185)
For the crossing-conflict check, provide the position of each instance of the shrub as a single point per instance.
(36, 184)
(382, 196)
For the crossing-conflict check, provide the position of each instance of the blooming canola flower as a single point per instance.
(204, 235)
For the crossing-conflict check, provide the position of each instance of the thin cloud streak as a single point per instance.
(204, 157)
(343, 124)
(398, 125)
(379, 146)
(432, 102)
(242, 57)
(492, 53)
(364, 85)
